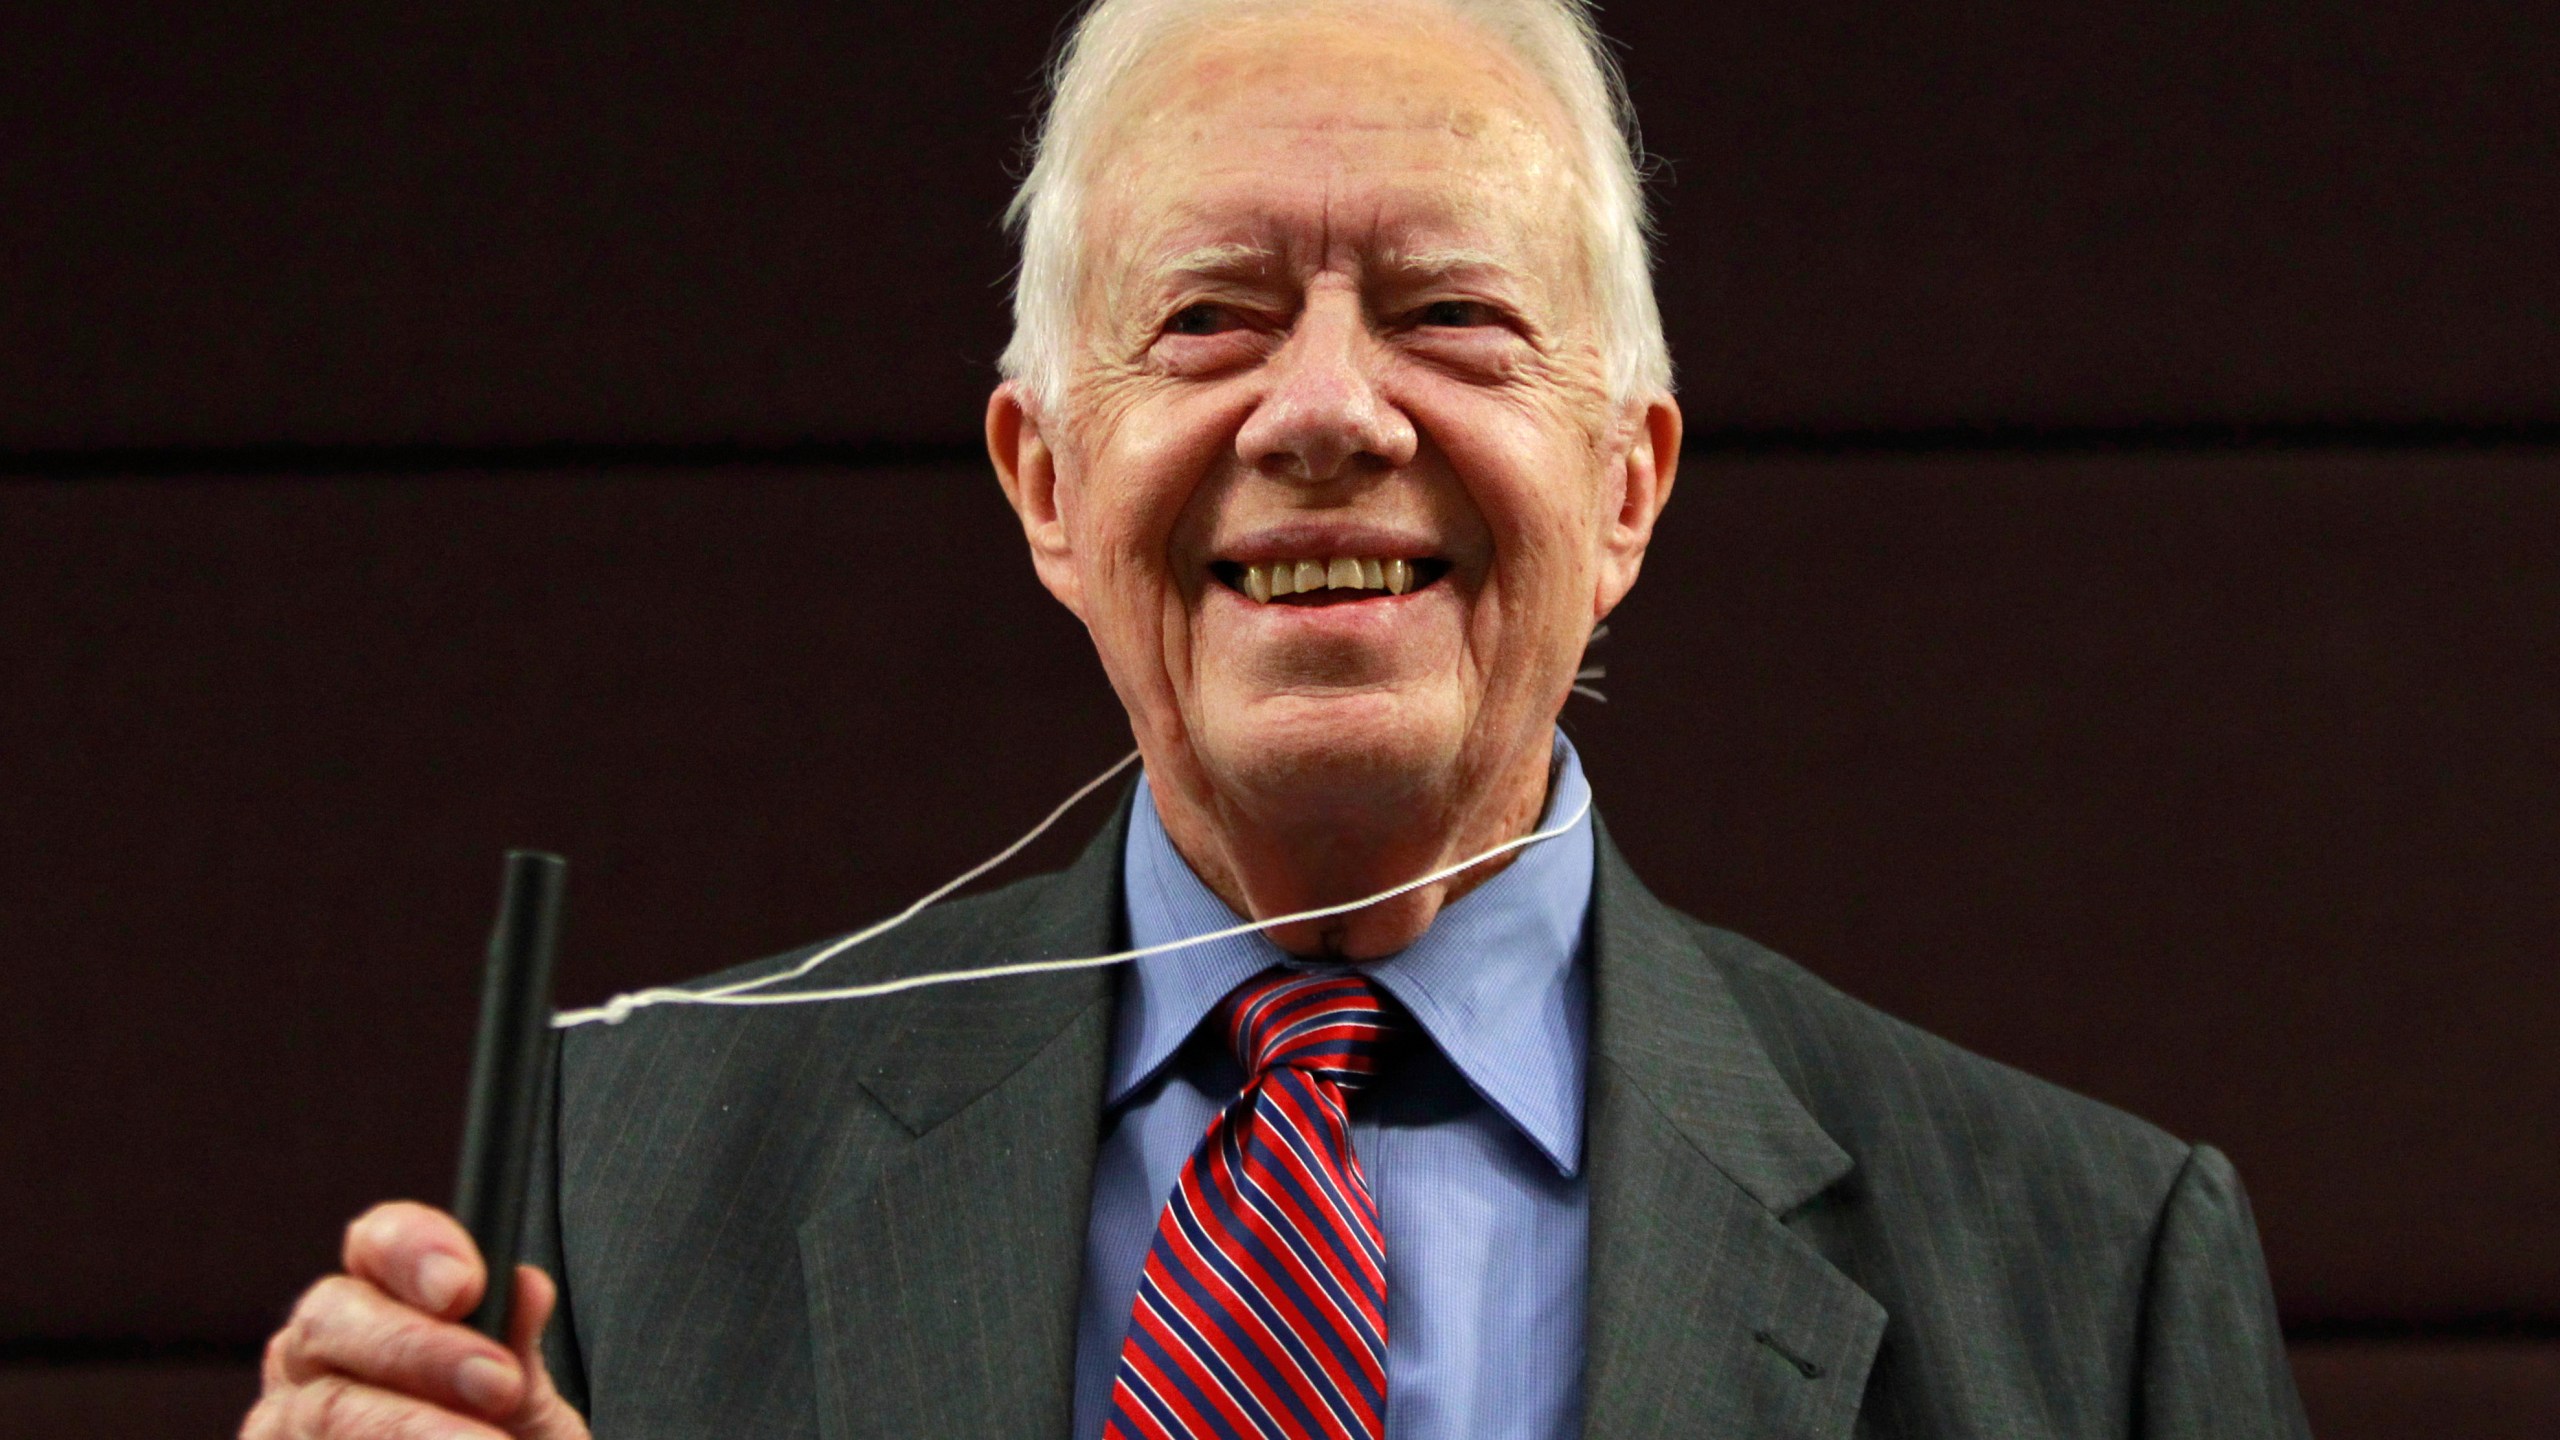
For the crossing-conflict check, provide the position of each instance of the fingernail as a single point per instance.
(484, 1384)
(440, 1278)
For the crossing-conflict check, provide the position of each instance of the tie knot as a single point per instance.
(1338, 1027)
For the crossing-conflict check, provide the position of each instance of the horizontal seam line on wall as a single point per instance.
(128, 1350)
(257, 460)
(2502, 1325)
(2145, 439)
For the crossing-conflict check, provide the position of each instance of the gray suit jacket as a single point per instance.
(1807, 1219)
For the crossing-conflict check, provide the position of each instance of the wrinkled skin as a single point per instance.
(380, 1352)
(1336, 307)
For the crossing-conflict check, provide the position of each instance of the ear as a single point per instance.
(1028, 470)
(1645, 473)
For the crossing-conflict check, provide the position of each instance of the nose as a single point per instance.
(1325, 414)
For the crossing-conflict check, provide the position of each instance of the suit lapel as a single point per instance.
(1707, 1315)
(942, 1282)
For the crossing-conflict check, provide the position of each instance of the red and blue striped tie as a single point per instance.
(1262, 1311)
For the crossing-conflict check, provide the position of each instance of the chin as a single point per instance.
(1349, 752)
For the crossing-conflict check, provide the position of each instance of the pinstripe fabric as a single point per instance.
(1262, 1310)
(850, 1222)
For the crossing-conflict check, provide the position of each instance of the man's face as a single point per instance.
(1336, 311)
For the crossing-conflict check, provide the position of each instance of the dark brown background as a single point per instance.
(2109, 615)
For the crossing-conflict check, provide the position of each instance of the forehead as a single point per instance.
(1333, 138)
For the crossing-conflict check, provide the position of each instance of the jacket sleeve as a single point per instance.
(2213, 1358)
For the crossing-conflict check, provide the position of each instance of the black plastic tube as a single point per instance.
(506, 1075)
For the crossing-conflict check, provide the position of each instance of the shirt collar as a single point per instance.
(1494, 981)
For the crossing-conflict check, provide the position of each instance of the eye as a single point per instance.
(1201, 319)
(1456, 314)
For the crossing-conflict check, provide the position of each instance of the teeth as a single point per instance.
(1264, 583)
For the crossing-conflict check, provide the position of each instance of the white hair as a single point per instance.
(1555, 40)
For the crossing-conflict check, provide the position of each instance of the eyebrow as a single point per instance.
(1441, 260)
(1230, 259)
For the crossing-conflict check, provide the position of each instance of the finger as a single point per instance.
(271, 1363)
(535, 1295)
(336, 1408)
(419, 1255)
(544, 1414)
(346, 1328)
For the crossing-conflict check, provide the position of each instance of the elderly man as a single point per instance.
(1339, 412)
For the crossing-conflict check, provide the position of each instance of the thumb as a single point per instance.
(543, 1414)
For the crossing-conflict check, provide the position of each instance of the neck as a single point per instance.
(1304, 852)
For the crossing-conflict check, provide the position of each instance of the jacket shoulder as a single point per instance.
(690, 1144)
(2041, 1254)
(1923, 1113)
(723, 1084)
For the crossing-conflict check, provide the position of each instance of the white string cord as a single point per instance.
(613, 1011)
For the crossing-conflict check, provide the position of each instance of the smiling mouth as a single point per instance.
(1335, 580)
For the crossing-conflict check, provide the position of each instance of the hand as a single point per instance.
(380, 1353)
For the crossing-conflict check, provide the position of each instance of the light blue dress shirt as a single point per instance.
(1472, 1145)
